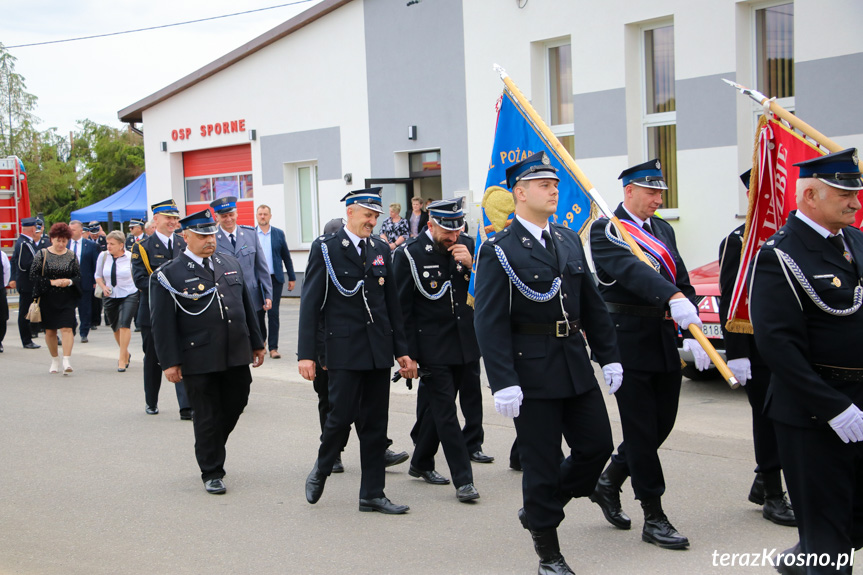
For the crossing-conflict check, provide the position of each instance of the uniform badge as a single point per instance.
(466, 277)
(433, 284)
(425, 274)
(459, 267)
(379, 261)
(371, 243)
(837, 282)
(201, 287)
(771, 242)
(428, 248)
(381, 281)
(135, 256)
(345, 243)
(191, 265)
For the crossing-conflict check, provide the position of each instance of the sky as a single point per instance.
(94, 79)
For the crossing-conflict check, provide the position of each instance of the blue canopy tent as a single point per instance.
(128, 203)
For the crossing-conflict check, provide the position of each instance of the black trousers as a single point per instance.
(647, 402)
(273, 316)
(362, 397)
(763, 434)
(825, 481)
(153, 374)
(583, 422)
(25, 298)
(4, 314)
(218, 400)
(438, 423)
(321, 385)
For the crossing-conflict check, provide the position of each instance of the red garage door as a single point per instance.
(219, 172)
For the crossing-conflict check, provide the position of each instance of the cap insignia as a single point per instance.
(545, 159)
(854, 157)
(658, 166)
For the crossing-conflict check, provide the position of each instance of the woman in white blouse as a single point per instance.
(120, 299)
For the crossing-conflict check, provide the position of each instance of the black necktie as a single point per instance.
(205, 262)
(549, 244)
(839, 245)
(646, 227)
(114, 272)
(363, 251)
(233, 240)
(170, 248)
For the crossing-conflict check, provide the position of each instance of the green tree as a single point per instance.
(17, 119)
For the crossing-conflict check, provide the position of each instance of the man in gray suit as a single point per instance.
(242, 243)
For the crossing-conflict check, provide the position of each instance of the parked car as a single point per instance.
(705, 280)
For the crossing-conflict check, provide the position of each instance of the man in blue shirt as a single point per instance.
(275, 247)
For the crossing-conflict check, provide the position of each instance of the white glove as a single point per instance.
(702, 360)
(508, 400)
(848, 425)
(684, 313)
(613, 374)
(741, 368)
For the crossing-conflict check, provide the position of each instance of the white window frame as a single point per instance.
(789, 102)
(654, 120)
(313, 192)
(559, 130)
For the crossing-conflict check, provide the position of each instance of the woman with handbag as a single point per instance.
(119, 294)
(56, 279)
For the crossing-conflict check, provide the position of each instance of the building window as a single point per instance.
(774, 41)
(307, 197)
(659, 117)
(202, 190)
(559, 90)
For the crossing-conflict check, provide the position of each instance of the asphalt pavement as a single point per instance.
(93, 485)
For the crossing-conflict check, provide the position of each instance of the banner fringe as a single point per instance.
(739, 326)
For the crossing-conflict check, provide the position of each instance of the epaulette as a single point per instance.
(775, 239)
(327, 237)
(247, 227)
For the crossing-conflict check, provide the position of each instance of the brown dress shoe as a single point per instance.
(274, 353)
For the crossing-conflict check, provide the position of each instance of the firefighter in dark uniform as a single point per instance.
(534, 295)
(433, 272)
(806, 288)
(42, 239)
(136, 233)
(22, 259)
(206, 334)
(147, 256)
(98, 236)
(751, 371)
(642, 304)
(349, 285)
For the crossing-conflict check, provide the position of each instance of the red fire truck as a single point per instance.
(14, 200)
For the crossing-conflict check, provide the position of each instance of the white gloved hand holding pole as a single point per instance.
(613, 374)
(508, 400)
(848, 425)
(741, 368)
(702, 360)
(683, 312)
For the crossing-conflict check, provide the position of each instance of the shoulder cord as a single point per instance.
(788, 263)
(446, 286)
(212, 292)
(530, 294)
(620, 243)
(21, 253)
(343, 290)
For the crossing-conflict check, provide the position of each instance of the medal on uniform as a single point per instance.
(425, 274)
(433, 284)
(381, 281)
(201, 287)
(837, 282)
(458, 267)
(466, 278)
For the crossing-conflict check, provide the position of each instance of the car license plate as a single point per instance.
(712, 330)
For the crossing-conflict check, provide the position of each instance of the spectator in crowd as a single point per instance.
(395, 228)
(120, 296)
(56, 278)
(417, 218)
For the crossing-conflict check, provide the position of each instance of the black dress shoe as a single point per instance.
(606, 494)
(791, 567)
(382, 505)
(391, 458)
(186, 414)
(152, 410)
(85, 339)
(337, 466)
(658, 529)
(1, 348)
(756, 492)
(32, 345)
(94, 327)
(315, 484)
(215, 486)
(515, 465)
(481, 457)
(432, 476)
(137, 330)
(466, 492)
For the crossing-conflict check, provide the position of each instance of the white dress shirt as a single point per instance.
(535, 230)
(125, 284)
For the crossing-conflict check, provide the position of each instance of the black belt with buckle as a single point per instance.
(637, 310)
(560, 328)
(844, 374)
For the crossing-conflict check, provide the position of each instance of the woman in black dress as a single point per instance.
(58, 285)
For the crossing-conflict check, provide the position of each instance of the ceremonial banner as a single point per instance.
(772, 196)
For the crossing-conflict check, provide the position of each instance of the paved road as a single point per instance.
(92, 485)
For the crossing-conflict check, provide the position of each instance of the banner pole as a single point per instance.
(564, 155)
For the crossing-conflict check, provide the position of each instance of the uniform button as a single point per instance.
(192, 343)
(458, 317)
(536, 277)
(226, 307)
(229, 321)
(564, 295)
(519, 354)
(368, 323)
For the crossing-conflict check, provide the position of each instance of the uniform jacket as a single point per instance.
(792, 333)
(438, 332)
(251, 257)
(281, 256)
(157, 255)
(545, 366)
(214, 340)
(646, 343)
(43, 242)
(90, 251)
(353, 339)
(22, 258)
(130, 241)
(737, 345)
